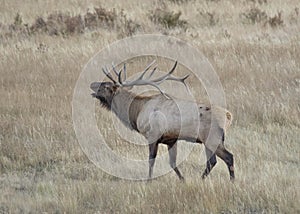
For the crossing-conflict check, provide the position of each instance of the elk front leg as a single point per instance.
(211, 162)
(152, 155)
(172, 148)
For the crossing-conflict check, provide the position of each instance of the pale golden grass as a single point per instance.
(43, 168)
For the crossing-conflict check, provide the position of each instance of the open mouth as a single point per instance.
(97, 96)
(102, 99)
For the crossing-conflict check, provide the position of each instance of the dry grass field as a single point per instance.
(254, 46)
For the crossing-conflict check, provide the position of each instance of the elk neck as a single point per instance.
(127, 106)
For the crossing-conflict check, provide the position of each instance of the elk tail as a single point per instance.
(228, 120)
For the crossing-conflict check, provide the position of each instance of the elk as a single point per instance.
(163, 119)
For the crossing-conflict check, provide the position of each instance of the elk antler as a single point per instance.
(106, 72)
(147, 81)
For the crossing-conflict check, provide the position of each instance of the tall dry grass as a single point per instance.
(41, 163)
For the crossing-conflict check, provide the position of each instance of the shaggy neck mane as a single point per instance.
(104, 103)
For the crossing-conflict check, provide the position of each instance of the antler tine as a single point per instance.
(134, 82)
(145, 82)
(152, 72)
(108, 75)
(124, 69)
(155, 83)
(182, 80)
(156, 86)
(168, 76)
(148, 66)
(146, 69)
(118, 73)
(164, 77)
(119, 76)
(114, 69)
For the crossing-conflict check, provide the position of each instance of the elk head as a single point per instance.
(105, 91)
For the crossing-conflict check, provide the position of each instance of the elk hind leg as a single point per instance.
(152, 155)
(211, 162)
(172, 149)
(227, 157)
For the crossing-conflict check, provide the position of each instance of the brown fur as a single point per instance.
(136, 111)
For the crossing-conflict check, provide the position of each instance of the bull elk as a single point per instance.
(163, 119)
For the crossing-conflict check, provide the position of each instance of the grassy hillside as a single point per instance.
(253, 46)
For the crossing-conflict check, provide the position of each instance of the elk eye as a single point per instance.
(108, 88)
